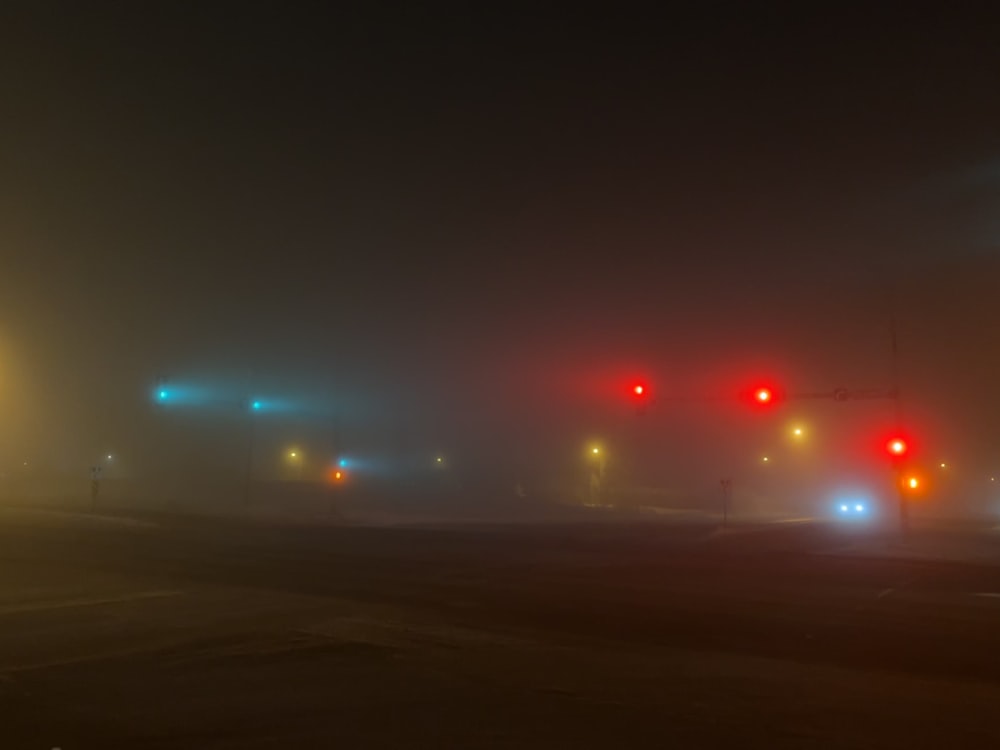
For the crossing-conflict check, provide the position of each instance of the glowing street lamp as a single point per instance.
(595, 472)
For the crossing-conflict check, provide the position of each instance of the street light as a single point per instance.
(595, 471)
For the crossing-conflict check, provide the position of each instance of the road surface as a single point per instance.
(174, 633)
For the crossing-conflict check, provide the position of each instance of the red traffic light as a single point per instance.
(762, 395)
(896, 447)
(640, 397)
(639, 391)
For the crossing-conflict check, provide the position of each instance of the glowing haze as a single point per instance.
(405, 237)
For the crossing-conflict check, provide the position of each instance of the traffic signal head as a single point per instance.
(640, 392)
(640, 396)
(912, 484)
(762, 395)
(896, 447)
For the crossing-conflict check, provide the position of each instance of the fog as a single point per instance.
(471, 250)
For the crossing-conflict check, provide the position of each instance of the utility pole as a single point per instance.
(95, 486)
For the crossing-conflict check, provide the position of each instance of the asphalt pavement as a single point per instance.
(162, 632)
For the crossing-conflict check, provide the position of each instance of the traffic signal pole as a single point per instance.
(904, 506)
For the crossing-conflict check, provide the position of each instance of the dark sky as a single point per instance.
(469, 227)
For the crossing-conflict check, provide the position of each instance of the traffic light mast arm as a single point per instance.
(849, 394)
(837, 394)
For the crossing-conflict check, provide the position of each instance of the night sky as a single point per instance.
(466, 231)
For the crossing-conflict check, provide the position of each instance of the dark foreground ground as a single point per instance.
(125, 633)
